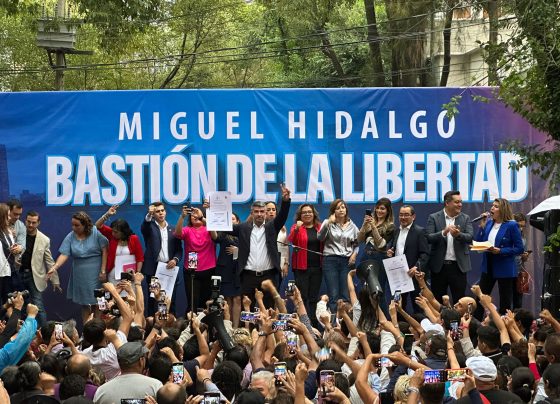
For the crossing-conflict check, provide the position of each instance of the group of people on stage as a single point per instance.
(348, 346)
(257, 249)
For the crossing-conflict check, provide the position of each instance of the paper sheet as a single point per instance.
(480, 245)
(124, 263)
(166, 277)
(218, 215)
(396, 269)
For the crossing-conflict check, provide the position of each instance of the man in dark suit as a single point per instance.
(449, 233)
(258, 258)
(161, 245)
(410, 240)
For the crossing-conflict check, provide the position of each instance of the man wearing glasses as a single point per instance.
(411, 241)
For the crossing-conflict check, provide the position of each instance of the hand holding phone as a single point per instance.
(280, 370)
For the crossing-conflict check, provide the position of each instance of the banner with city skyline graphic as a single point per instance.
(66, 151)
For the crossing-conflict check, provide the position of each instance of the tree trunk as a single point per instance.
(447, 44)
(177, 66)
(492, 9)
(374, 44)
(329, 52)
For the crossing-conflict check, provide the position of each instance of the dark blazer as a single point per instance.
(272, 228)
(438, 243)
(510, 243)
(152, 241)
(416, 247)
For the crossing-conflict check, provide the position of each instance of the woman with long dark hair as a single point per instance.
(498, 262)
(122, 241)
(377, 232)
(339, 235)
(7, 259)
(306, 265)
(88, 249)
(226, 267)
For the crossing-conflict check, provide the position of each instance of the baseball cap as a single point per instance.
(131, 352)
(483, 368)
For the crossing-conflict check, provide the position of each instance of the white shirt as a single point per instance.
(164, 252)
(401, 241)
(258, 259)
(450, 252)
(493, 233)
(106, 358)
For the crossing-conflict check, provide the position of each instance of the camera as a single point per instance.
(24, 293)
(99, 293)
(215, 319)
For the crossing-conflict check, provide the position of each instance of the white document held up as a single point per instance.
(218, 215)
(124, 263)
(397, 274)
(166, 277)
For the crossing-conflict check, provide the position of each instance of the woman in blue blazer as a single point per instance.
(498, 263)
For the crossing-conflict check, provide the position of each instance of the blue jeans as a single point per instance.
(335, 271)
(35, 297)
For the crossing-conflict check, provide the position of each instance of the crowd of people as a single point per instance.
(243, 339)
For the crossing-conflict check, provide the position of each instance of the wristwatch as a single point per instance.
(263, 334)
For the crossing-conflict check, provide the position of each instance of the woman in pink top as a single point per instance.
(197, 239)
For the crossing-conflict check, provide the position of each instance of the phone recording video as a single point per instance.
(397, 296)
(247, 316)
(407, 344)
(456, 333)
(291, 341)
(456, 375)
(290, 289)
(58, 331)
(178, 372)
(368, 212)
(434, 376)
(154, 284)
(279, 325)
(162, 310)
(280, 369)
(211, 398)
(327, 382)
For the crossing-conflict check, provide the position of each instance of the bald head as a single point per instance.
(171, 393)
(462, 305)
(78, 364)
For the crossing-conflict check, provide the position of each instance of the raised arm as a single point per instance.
(179, 225)
(365, 392)
(110, 212)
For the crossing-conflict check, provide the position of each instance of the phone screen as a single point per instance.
(279, 325)
(280, 369)
(397, 297)
(162, 309)
(101, 303)
(386, 362)
(290, 288)
(433, 376)
(154, 283)
(58, 331)
(133, 401)
(193, 260)
(407, 344)
(291, 341)
(211, 398)
(455, 331)
(327, 381)
(456, 375)
(178, 372)
(247, 316)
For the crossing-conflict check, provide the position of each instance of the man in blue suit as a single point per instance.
(161, 244)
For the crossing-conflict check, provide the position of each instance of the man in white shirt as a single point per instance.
(411, 242)
(449, 232)
(258, 249)
(105, 342)
(161, 246)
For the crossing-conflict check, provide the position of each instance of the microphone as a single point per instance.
(482, 216)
